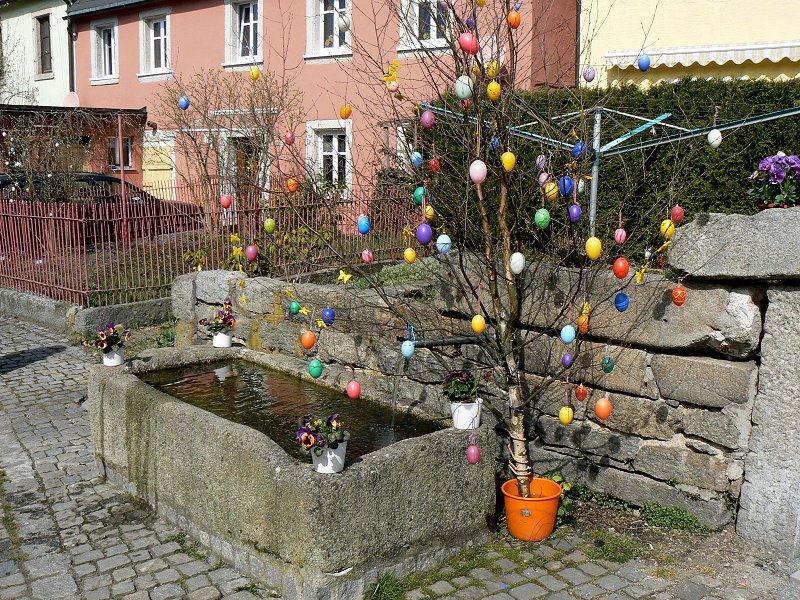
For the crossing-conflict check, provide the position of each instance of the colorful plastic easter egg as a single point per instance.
(424, 234)
(427, 120)
(478, 324)
(593, 248)
(464, 104)
(585, 308)
(543, 179)
(183, 102)
(392, 87)
(269, 225)
(494, 144)
(667, 228)
(443, 243)
(643, 62)
(407, 348)
(410, 255)
(679, 295)
(676, 214)
(429, 212)
(621, 267)
(416, 159)
(463, 87)
(288, 138)
(565, 415)
(473, 454)
(714, 138)
(480, 3)
(294, 307)
(567, 334)
(566, 359)
(493, 90)
(471, 22)
(517, 263)
(541, 162)
(551, 190)
(292, 185)
(226, 200)
(620, 235)
(477, 171)
(492, 69)
(621, 301)
(565, 185)
(367, 256)
(353, 389)
(419, 194)
(581, 392)
(581, 186)
(345, 111)
(254, 73)
(602, 408)
(589, 74)
(315, 368)
(509, 161)
(434, 165)
(514, 19)
(542, 218)
(363, 225)
(251, 253)
(575, 213)
(308, 339)
(608, 364)
(343, 23)
(583, 324)
(328, 316)
(579, 150)
(465, 42)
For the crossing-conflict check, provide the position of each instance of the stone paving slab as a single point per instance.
(67, 534)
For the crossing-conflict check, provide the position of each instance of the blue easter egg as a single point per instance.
(328, 316)
(621, 301)
(566, 185)
(644, 62)
(470, 22)
(494, 144)
(568, 334)
(363, 226)
(407, 348)
(579, 149)
(183, 102)
(416, 159)
(443, 243)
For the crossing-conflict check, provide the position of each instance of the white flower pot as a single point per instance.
(222, 340)
(466, 415)
(113, 358)
(331, 461)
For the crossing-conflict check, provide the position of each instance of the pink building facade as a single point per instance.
(130, 54)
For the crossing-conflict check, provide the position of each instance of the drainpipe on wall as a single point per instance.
(577, 44)
(70, 49)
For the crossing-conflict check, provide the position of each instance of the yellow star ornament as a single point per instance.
(304, 311)
(343, 277)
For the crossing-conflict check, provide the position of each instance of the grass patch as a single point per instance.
(672, 517)
(218, 565)
(8, 521)
(662, 573)
(191, 550)
(248, 587)
(584, 493)
(706, 570)
(421, 269)
(610, 546)
(387, 587)
(180, 538)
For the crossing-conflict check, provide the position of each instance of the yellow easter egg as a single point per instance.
(429, 212)
(667, 228)
(565, 415)
(493, 90)
(478, 324)
(410, 255)
(492, 69)
(476, 69)
(586, 308)
(593, 248)
(254, 73)
(509, 161)
(551, 190)
(480, 2)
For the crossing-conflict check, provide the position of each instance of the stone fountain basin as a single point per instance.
(398, 510)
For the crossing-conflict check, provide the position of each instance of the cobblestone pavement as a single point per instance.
(67, 534)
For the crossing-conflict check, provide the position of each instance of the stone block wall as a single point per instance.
(697, 421)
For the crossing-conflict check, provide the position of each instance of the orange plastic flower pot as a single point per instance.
(532, 519)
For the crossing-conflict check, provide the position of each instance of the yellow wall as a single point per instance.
(615, 25)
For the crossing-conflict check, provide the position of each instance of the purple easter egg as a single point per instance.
(566, 359)
(575, 213)
(424, 234)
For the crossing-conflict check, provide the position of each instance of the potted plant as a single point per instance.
(221, 326)
(460, 388)
(776, 182)
(325, 440)
(110, 340)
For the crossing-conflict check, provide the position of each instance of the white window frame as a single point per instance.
(38, 74)
(127, 144)
(409, 24)
(98, 52)
(147, 72)
(233, 58)
(315, 24)
(315, 130)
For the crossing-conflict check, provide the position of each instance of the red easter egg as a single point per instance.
(251, 253)
(473, 454)
(434, 165)
(226, 200)
(367, 256)
(308, 339)
(679, 295)
(288, 138)
(676, 214)
(353, 389)
(602, 408)
(620, 235)
(581, 392)
(621, 267)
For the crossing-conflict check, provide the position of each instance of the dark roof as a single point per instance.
(85, 7)
(100, 112)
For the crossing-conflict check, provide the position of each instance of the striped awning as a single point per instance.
(704, 55)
